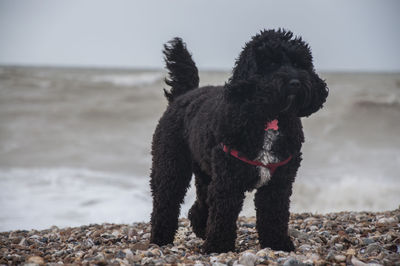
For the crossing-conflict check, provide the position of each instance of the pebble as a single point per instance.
(247, 259)
(304, 248)
(338, 246)
(351, 251)
(36, 260)
(293, 262)
(367, 241)
(340, 258)
(385, 221)
(297, 234)
(373, 248)
(358, 238)
(357, 262)
(313, 228)
(330, 256)
(263, 253)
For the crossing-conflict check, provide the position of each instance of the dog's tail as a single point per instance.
(182, 71)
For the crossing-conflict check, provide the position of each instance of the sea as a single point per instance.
(75, 146)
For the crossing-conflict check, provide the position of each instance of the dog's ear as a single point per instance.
(239, 91)
(245, 65)
(319, 92)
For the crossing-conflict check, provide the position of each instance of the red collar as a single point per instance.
(273, 125)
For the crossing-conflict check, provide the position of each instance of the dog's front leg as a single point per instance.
(221, 224)
(225, 200)
(272, 210)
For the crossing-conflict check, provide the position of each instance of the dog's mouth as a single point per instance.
(290, 104)
(295, 102)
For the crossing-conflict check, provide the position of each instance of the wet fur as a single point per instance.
(188, 140)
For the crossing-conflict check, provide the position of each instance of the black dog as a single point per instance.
(238, 137)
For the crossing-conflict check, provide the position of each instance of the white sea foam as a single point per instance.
(42, 197)
(348, 193)
(137, 79)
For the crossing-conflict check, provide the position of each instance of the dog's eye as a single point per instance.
(300, 64)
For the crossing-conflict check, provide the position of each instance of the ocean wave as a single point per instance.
(348, 193)
(42, 197)
(135, 79)
(388, 100)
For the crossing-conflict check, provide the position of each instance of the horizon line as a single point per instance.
(201, 69)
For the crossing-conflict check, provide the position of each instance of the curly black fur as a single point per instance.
(182, 70)
(273, 78)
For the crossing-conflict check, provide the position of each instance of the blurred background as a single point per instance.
(81, 93)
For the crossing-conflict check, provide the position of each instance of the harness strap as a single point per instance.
(272, 125)
(271, 166)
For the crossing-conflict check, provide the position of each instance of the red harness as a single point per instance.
(271, 166)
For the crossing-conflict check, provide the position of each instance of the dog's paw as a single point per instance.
(284, 245)
(213, 248)
(200, 232)
(161, 240)
(198, 221)
(288, 246)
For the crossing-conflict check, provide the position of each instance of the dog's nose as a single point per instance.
(294, 84)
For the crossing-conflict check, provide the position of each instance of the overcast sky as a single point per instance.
(345, 35)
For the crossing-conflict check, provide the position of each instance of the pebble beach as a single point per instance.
(344, 238)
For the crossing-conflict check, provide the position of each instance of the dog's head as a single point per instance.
(275, 72)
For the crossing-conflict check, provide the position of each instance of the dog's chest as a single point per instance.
(267, 157)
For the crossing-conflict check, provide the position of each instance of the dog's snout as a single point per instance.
(294, 84)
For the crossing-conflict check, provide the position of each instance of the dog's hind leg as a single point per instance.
(170, 179)
(198, 213)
